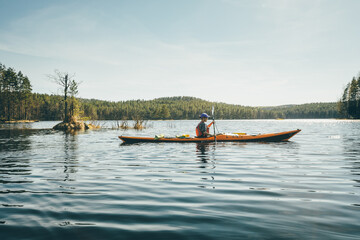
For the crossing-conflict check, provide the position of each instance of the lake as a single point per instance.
(90, 186)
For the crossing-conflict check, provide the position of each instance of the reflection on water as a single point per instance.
(351, 149)
(70, 156)
(86, 185)
(13, 169)
(206, 156)
(15, 140)
(202, 150)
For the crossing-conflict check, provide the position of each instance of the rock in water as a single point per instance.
(71, 126)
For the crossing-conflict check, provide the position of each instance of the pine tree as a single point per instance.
(15, 89)
(349, 104)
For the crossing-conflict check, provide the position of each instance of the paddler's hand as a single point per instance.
(210, 124)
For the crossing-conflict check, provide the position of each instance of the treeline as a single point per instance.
(168, 108)
(49, 107)
(15, 90)
(18, 103)
(308, 110)
(349, 104)
(191, 108)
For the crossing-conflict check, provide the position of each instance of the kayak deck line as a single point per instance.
(269, 137)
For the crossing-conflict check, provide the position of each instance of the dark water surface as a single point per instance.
(88, 186)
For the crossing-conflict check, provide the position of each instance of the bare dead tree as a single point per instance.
(68, 86)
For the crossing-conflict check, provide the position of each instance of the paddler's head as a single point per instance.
(204, 117)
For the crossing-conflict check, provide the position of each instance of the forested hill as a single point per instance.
(48, 107)
(308, 110)
(17, 102)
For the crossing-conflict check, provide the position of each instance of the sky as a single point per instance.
(247, 52)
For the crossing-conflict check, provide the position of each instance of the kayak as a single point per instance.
(270, 137)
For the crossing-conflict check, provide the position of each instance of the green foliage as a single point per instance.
(15, 89)
(17, 102)
(74, 108)
(349, 104)
(191, 108)
(308, 110)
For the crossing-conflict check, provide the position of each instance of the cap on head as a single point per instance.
(204, 115)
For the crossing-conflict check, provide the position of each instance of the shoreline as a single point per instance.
(20, 121)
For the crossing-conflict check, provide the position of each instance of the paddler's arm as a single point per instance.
(208, 126)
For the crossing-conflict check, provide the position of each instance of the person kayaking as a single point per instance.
(202, 129)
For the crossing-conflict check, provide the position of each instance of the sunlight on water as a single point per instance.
(90, 186)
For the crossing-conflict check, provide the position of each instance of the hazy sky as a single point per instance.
(254, 52)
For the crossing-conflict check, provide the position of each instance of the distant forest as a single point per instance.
(17, 102)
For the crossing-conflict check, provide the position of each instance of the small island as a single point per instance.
(71, 105)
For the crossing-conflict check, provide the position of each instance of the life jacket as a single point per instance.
(199, 133)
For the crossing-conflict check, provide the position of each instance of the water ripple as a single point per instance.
(89, 186)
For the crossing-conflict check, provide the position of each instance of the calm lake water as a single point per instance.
(89, 186)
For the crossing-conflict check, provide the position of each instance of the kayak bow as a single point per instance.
(270, 137)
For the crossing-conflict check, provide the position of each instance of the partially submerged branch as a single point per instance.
(138, 124)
